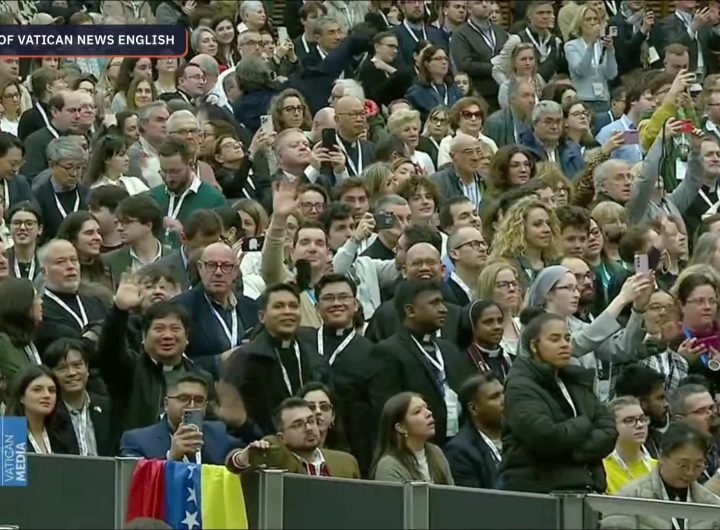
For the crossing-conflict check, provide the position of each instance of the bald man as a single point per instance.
(462, 177)
(220, 315)
(414, 359)
(324, 119)
(351, 124)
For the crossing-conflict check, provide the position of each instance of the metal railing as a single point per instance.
(77, 492)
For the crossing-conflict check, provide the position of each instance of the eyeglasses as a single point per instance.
(213, 266)
(70, 168)
(301, 424)
(234, 145)
(27, 223)
(317, 206)
(579, 113)
(566, 288)
(323, 407)
(632, 421)
(186, 132)
(475, 244)
(506, 286)
(187, 399)
(297, 108)
(588, 276)
(703, 411)
(468, 114)
(439, 120)
(710, 302)
(12, 96)
(343, 298)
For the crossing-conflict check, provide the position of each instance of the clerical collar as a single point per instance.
(282, 344)
(497, 352)
(340, 332)
(423, 338)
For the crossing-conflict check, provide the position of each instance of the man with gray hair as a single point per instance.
(144, 162)
(62, 194)
(547, 127)
(505, 126)
(252, 14)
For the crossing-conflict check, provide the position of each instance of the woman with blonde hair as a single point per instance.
(707, 251)
(405, 124)
(516, 63)
(11, 93)
(527, 237)
(380, 180)
(498, 281)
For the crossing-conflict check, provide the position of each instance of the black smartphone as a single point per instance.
(193, 417)
(329, 138)
(654, 257)
(384, 220)
(252, 244)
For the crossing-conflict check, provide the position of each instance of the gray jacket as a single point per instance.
(448, 183)
(390, 469)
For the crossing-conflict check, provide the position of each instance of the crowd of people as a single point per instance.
(389, 239)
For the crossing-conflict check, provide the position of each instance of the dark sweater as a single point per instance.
(52, 216)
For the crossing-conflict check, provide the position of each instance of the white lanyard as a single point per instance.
(462, 284)
(174, 209)
(32, 354)
(82, 428)
(322, 54)
(488, 37)
(359, 169)
(493, 448)
(675, 523)
(687, 25)
(7, 195)
(36, 446)
(664, 360)
(542, 47)
(567, 396)
(82, 319)
(75, 207)
(385, 19)
(597, 53)
(338, 350)
(437, 145)
(447, 93)
(706, 198)
(305, 44)
(619, 461)
(231, 334)
(31, 272)
(41, 110)
(611, 6)
(438, 363)
(412, 33)
(286, 377)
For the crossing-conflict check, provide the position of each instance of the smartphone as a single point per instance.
(709, 342)
(266, 458)
(282, 34)
(252, 244)
(266, 123)
(193, 417)
(642, 264)
(691, 77)
(654, 257)
(613, 31)
(686, 126)
(631, 137)
(384, 220)
(329, 138)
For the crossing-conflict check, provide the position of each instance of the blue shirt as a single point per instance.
(630, 153)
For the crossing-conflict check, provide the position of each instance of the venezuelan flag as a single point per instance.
(187, 496)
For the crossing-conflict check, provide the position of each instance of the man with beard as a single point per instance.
(648, 386)
(694, 404)
(414, 359)
(706, 201)
(475, 453)
(586, 285)
(413, 29)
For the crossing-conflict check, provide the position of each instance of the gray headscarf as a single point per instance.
(543, 284)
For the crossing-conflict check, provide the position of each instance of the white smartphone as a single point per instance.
(642, 264)
(266, 123)
(282, 34)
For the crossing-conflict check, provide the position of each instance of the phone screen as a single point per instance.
(252, 244)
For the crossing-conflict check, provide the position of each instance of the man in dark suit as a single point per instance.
(89, 413)
(64, 110)
(413, 29)
(190, 82)
(468, 252)
(279, 359)
(351, 122)
(139, 218)
(171, 438)
(462, 177)
(474, 45)
(549, 52)
(475, 453)
(634, 24)
(506, 125)
(415, 360)
(15, 187)
(220, 318)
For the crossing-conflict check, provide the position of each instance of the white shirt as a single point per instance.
(444, 149)
(9, 126)
(423, 160)
(132, 185)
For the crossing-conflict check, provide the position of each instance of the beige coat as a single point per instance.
(131, 12)
(651, 487)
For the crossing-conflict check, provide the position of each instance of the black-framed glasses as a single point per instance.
(505, 286)
(187, 399)
(294, 108)
(213, 266)
(475, 244)
(317, 206)
(343, 298)
(27, 223)
(588, 276)
(72, 168)
(322, 407)
(632, 421)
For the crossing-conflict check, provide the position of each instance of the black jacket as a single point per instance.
(35, 159)
(52, 216)
(31, 121)
(555, 62)
(399, 365)
(58, 323)
(19, 189)
(673, 30)
(630, 43)
(381, 87)
(136, 383)
(251, 180)
(471, 461)
(256, 372)
(101, 416)
(545, 446)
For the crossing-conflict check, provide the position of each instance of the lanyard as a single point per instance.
(232, 333)
(611, 6)
(174, 209)
(82, 319)
(438, 363)
(447, 94)
(619, 461)
(82, 429)
(43, 115)
(412, 33)
(31, 272)
(32, 354)
(75, 207)
(437, 145)
(286, 377)
(357, 170)
(675, 522)
(462, 285)
(36, 446)
(7, 195)
(566, 395)
(542, 47)
(305, 44)
(338, 350)
(704, 197)
(487, 36)
(493, 448)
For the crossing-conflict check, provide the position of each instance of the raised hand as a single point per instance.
(128, 295)
(285, 197)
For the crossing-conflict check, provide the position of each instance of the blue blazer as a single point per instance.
(471, 460)
(424, 98)
(154, 442)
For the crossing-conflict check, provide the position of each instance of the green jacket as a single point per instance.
(119, 261)
(13, 358)
(200, 196)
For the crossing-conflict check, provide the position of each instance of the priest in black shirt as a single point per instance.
(66, 312)
(278, 360)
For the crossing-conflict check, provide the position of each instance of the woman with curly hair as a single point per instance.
(511, 167)
(516, 63)
(527, 237)
(289, 110)
(556, 179)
